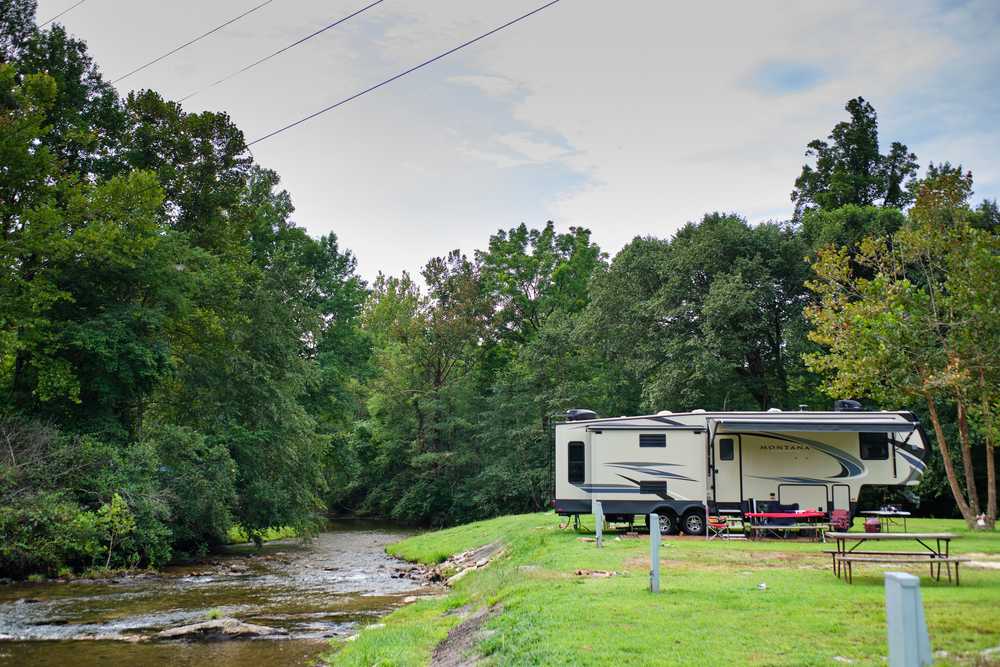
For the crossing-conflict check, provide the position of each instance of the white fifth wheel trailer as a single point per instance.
(680, 465)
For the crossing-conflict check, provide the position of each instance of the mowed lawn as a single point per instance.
(711, 610)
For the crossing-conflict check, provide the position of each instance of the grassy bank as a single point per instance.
(711, 610)
(238, 535)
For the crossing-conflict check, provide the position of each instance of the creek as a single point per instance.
(327, 587)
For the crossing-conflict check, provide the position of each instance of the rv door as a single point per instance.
(841, 497)
(728, 465)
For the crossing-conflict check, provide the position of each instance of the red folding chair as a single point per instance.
(840, 521)
(717, 527)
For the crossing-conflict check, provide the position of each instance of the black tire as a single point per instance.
(693, 523)
(668, 522)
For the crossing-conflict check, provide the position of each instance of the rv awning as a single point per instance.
(785, 425)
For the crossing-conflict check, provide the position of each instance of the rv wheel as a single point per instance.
(693, 523)
(668, 522)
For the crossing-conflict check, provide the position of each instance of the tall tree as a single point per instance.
(532, 273)
(849, 169)
(17, 23)
(708, 319)
(925, 326)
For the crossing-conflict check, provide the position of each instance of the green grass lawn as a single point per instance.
(238, 535)
(710, 610)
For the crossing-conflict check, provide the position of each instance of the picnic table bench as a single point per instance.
(935, 556)
(760, 529)
(848, 561)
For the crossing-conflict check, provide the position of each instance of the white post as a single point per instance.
(598, 511)
(909, 645)
(654, 552)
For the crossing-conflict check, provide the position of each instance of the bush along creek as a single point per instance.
(279, 605)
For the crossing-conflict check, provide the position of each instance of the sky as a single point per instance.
(628, 118)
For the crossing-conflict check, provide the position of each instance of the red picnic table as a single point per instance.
(811, 521)
(804, 514)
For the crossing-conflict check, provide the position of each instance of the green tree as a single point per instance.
(848, 225)
(709, 319)
(849, 169)
(117, 523)
(532, 273)
(924, 326)
(17, 23)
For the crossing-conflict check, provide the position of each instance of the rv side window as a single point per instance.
(652, 440)
(577, 463)
(874, 446)
(726, 449)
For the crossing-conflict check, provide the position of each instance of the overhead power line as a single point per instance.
(62, 13)
(280, 51)
(400, 75)
(193, 41)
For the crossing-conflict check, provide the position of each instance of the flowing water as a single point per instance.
(326, 588)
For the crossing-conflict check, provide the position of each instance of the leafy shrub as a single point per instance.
(198, 480)
(45, 533)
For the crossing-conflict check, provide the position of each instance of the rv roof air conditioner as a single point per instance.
(846, 405)
(578, 414)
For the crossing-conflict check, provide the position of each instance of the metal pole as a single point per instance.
(598, 522)
(909, 645)
(654, 552)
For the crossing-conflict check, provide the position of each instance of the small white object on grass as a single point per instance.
(762, 586)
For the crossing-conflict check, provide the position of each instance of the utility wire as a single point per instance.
(189, 43)
(400, 75)
(280, 51)
(62, 13)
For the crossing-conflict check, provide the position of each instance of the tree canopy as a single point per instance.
(178, 357)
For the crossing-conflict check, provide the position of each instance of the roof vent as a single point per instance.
(663, 413)
(774, 409)
(697, 411)
(845, 405)
(579, 414)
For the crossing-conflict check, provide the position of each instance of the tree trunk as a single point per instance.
(991, 486)
(949, 469)
(991, 468)
(970, 477)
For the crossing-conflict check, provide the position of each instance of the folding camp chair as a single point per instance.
(717, 527)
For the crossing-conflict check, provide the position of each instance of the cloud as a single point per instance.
(496, 86)
(628, 118)
(533, 149)
(779, 78)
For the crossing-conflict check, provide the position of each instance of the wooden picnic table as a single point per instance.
(935, 555)
(806, 514)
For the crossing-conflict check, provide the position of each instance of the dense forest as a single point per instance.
(178, 358)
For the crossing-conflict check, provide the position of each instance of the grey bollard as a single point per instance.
(909, 645)
(654, 552)
(598, 511)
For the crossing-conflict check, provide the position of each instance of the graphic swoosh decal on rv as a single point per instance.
(911, 459)
(609, 488)
(850, 467)
(621, 488)
(648, 469)
(794, 480)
